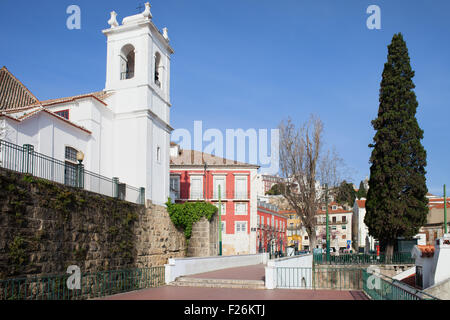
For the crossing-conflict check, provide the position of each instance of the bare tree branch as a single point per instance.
(305, 168)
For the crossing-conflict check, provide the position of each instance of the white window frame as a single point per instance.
(216, 191)
(177, 178)
(240, 194)
(236, 212)
(192, 178)
(224, 227)
(224, 207)
(240, 223)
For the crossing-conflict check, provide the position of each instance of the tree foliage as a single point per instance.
(396, 201)
(184, 215)
(275, 190)
(362, 192)
(346, 193)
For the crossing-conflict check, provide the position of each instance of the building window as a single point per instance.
(334, 208)
(224, 228)
(306, 237)
(334, 219)
(241, 188)
(222, 208)
(241, 226)
(175, 187)
(344, 219)
(344, 227)
(158, 69)
(219, 181)
(127, 58)
(158, 154)
(70, 167)
(240, 208)
(196, 188)
(63, 113)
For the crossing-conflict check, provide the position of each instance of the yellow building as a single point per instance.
(294, 227)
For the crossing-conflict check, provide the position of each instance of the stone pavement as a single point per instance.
(255, 272)
(192, 293)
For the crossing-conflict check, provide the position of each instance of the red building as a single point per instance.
(196, 176)
(271, 226)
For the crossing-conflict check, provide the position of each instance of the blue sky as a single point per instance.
(251, 63)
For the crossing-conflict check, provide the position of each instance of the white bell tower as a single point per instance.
(138, 76)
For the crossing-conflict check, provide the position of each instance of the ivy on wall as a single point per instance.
(184, 215)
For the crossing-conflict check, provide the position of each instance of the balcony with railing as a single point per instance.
(332, 222)
(227, 195)
(196, 194)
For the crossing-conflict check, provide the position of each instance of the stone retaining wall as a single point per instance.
(45, 227)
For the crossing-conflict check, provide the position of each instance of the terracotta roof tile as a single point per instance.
(99, 95)
(427, 251)
(197, 158)
(361, 203)
(13, 94)
(25, 113)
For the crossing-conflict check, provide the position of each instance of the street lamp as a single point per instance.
(220, 223)
(80, 158)
(328, 232)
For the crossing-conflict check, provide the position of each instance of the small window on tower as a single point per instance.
(127, 62)
(158, 69)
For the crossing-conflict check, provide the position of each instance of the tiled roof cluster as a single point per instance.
(197, 158)
(18, 103)
(13, 94)
(427, 251)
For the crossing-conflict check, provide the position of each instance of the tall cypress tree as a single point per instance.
(362, 192)
(396, 203)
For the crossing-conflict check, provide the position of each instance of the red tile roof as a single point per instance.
(22, 114)
(331, 211)
(361, 203)
(13, 94)
(427, 251)
(197, 158)
(100, 96)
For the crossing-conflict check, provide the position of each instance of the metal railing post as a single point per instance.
(142, 196)
(115, 187)
(80, 174)
(27, 158)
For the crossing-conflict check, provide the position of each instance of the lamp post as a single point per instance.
(80, 158)
(220, 223)
(328, 232)
(445, 212)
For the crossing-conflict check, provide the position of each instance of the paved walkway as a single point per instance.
(191, 293)
(255, 272)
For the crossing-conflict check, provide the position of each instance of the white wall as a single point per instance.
(303, 263)
(186, 266)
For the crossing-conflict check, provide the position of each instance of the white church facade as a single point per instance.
(124, 130)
